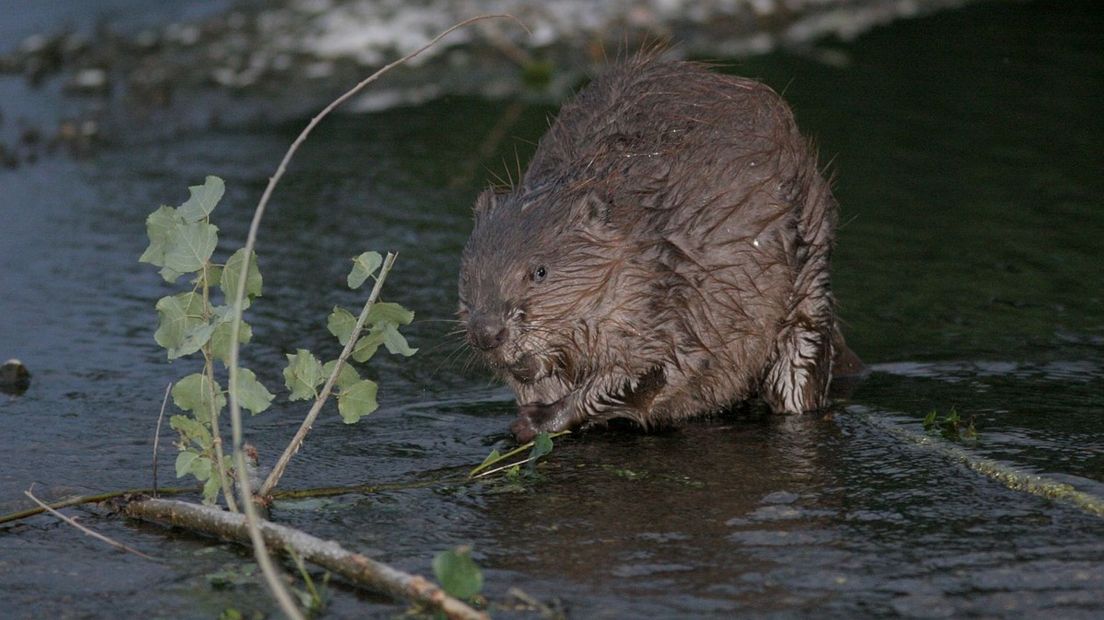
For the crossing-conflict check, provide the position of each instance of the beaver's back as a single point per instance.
(689, 234)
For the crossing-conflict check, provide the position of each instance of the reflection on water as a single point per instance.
(968, 272)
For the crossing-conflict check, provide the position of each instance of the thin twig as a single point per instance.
(308, 422)
(267, 567)
(502, 467)
(91, 499)
(501, 457)
(96, 535)
(157, 434)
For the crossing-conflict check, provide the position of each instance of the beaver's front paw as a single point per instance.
(534, 418)
(523, 429)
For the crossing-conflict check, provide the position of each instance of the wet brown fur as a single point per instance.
(685, 232)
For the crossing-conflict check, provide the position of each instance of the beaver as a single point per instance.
(666, 254)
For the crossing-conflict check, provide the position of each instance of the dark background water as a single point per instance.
(966, 148)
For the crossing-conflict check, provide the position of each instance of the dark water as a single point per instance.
(968, 161)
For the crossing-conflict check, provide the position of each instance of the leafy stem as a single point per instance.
(350, 344)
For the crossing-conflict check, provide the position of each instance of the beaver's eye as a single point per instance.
(539, 274)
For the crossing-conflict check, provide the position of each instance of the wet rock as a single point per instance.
(14, 377)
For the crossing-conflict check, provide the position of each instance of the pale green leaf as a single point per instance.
(187, 248)
(364, 266)
(492, 457)
(341, 323)
(345, 378)
(302, 375)
(211, 490)
(158, 225)
(214, 276)
(542, 445)
(367, 345)
(194, 338)
(184, 462)
(203, 199)
(252, 395)
(396, 342)
(358, 400)
(220, 340)
(178, 314)
(389, 312)
(192, 431)
(232, 273)
(170, 275)
(458, 573)
(201, 468)
(198, 394)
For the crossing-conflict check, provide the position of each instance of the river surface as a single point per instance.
(967, 153)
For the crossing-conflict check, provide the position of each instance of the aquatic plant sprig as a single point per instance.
(182, 241)
(539, 447)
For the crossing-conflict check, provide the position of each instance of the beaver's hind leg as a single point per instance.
(798, 378)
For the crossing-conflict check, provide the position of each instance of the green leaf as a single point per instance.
(194, 338)
(187, 248)
(542, 445)
(491, 458)
(363, 266)
(203, 199)
(396, 342)
(358, 400)
(252, 395)
(198, 394)
(303, 374)
(184, 462)
(341, 323)
(214, 276)
(192, 431)
(158, 225)
(211, 490)
(345, 378)
(177, 315)
(201, 468)
(389, 312)
(458, 573)
(367, 345)
(232, 272)
(220, 340)
(929, 420)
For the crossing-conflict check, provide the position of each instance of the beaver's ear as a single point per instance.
(486, 203)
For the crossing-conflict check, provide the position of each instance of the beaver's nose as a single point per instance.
(486, 333)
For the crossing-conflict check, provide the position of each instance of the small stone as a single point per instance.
(14, 377)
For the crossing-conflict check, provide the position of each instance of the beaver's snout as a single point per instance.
(486, 333)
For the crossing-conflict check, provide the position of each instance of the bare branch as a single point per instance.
(355, 567)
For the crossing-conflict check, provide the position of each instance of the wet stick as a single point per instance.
(355, 567)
